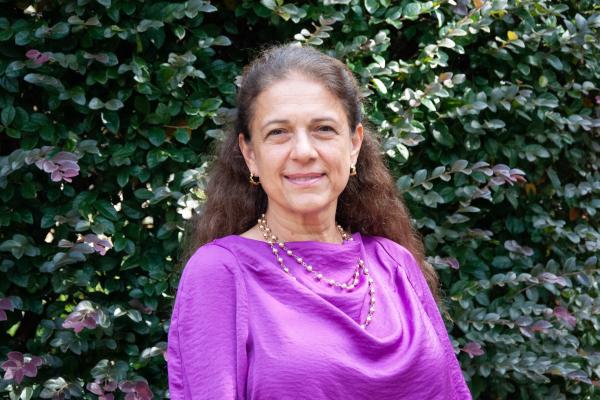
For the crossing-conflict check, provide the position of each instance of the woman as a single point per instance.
(278, 301)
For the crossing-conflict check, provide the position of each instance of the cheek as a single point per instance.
(339, 160)
(270, 161)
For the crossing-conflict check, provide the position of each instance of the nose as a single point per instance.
(303, 146)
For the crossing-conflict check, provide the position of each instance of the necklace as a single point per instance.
(279, 247)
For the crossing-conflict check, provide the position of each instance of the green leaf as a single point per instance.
(211, 104)
(554, 62)
(420, 176)
(143, 194)
(442, 135)
(479, 105)
(207, 8)
(47, 221)
(45, 81)
(22, 38)
(411, 11)
(495, 124)
(13, 133)
(123, 177)
(404, 182)
(111, 120)
(447, 42)
(26, 393)
(182, 135)
(459, 165)
(222, 41)
(403, 151)
(156, 136)
(96, 104)
(502, 262)
(27, 217)
(120, 244)
(270, 4)
(380, 86)
(147, 24)
(524, 69)
(429, 104)
(432, 199)
(106, 209)
(113, 104)
(11, 85)
(28, 189)
(88, 146)
(163, 112)
(438, 171)
(553, 178)
(179, 31)
(5, 30)
(155, 157)
(134, 315)
(371, 6)
(165, 230)
(8, 115)
(546, 100)
(77, 94)
(14, 69)
(105, 3)
(59, 31)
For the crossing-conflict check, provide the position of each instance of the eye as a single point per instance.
(325, 128)
(275, 132)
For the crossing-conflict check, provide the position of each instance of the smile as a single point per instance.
(304, 180)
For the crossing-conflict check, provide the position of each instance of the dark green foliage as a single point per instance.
(489, 116)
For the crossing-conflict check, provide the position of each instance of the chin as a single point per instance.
(309, 206)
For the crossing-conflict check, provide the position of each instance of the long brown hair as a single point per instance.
(369, 204)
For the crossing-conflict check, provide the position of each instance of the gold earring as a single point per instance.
(352, 170)
(254, 180)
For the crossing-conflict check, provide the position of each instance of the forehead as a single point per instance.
(296, 97)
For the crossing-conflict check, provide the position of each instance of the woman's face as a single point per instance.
(301, 146)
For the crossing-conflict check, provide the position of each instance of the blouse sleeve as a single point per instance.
(206, 354)
(407, 261)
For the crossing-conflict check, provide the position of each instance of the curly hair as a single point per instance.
(370, 202)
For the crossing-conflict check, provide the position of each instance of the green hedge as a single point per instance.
(489, 117)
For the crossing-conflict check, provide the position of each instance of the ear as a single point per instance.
(356, 140)
(248, 153)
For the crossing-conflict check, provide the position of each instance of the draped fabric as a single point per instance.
(243, 329)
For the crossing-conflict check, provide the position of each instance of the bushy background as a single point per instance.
(488, 111)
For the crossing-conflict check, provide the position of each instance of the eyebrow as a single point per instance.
(312, 121)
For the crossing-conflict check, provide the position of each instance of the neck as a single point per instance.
(299, 227)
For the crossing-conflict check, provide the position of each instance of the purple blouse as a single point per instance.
(243, 329)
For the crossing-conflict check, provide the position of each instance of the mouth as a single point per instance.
(307, 179)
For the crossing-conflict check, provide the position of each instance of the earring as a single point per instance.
(254, 180)
(352, 170)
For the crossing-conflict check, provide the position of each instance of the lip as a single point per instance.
(304, 179)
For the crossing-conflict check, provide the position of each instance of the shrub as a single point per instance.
(489, 116)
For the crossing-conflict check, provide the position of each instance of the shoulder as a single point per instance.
(404, 260)
(212, 261)
(214, 251)
(396, 251)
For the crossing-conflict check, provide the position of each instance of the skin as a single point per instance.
(302, 149)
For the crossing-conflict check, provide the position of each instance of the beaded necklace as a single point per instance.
(279, 247)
